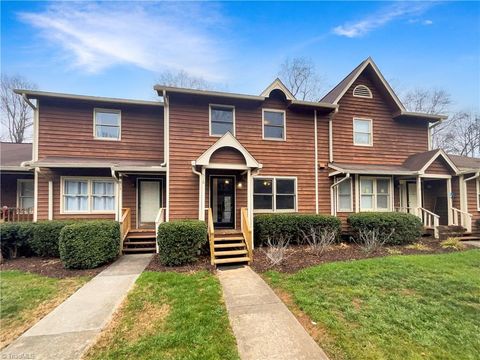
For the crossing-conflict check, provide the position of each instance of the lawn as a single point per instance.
(25, 298)
(396, 307)
(170, 315)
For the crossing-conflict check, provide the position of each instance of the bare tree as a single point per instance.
(301, 77)
(184, 80)
(462, 136)
(16, 115)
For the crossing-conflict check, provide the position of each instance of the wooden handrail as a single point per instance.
(211, 235)
(430, 220)
(462, 218)
(125, 225)
(158, 220)
(11, 214)
(247, 233)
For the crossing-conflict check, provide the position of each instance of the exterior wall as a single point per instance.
(393, 140)
(293, 157)
(227, 156)
(8, 190)
(472, 204)
(66, 130)
(439, 167)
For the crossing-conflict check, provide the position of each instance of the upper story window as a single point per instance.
(375, 194)
(107, 124)
(86, 195)
(222, 120)
(25, 193)
(362, 132)
(362, 91)
(273, 122)
(272, 194)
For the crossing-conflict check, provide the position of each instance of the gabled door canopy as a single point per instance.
(227, 140)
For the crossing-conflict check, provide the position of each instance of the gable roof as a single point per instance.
(277, 84)
(465, 163)
(421, 161)
(13, 155)
(334, 95)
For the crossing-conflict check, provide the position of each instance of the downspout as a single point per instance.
(330, 135)
(200, 184)
(430, 127)
(118, 215)
(166, 151)
(316, 161)
(332, 197)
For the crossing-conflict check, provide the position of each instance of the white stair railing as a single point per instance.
(158, 220)
(462, 218)
(430, 220)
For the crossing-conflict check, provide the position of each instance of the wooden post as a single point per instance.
(419, 195)
(449, 200)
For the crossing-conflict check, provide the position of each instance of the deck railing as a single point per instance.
(211, 235)
(125, 225)
(158, 220)
(462, 218)
(10, 214)
(247, 233)
(430, 220)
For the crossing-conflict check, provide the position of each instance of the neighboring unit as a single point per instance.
(223, 157)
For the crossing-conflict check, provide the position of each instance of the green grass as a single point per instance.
(27, 297)
(170, 316)
(396, 307)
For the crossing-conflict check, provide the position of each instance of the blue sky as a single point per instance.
(118, 48)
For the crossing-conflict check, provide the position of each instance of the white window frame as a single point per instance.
(19, 195)
(370, 133)
(274, 194)
(104, 110)
(210, 118)
(284, 124)
(370, 96)
(374, 193)
(89, 180)
(339, 209)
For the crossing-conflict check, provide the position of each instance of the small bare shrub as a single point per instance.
(276, 249)
(319, 239)
(419, 247)
(371, 240)
(453, 243)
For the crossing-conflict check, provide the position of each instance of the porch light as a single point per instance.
(227, 182)
(239, 185)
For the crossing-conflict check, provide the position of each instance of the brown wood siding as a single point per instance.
(66, 130)
(8, 189)
(439, 167)
(227, 156)
(393, 140)
(294, 157)
(456, 192)
(473, 205)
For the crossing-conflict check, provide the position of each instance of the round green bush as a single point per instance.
(291, 225)
(179, 241)
(15, 238)
(88, 244)
(407, 227)
(46, 235)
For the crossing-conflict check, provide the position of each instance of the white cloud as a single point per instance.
(427, 22)
(152, 36)
(384, 16)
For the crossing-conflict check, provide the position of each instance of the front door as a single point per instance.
(149, 201)
(412, 202)
(222, 201)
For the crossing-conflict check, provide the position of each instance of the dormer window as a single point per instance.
(362, 91)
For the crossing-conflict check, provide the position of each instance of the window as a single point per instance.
(344, 195)
(222, 120)
(274, 194)
(25, 193)
(362, 91)
(88, 195)
(274, 124)
(362, 132)
(107, 124)
(375, 194)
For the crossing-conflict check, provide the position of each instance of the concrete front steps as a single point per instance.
(140, 241)
(229, 248)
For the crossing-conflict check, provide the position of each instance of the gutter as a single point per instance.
(332, 198)
(473, 177)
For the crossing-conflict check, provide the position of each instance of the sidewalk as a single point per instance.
(262, 324)
(73, 326)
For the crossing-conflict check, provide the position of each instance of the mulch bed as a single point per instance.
(300, 256)
(51, 267)
(203, 263)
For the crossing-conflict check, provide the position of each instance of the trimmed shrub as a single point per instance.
(179, 241)
(46, 236)
(88, 244)
(15, 238)
(291, 225)
(407, 227)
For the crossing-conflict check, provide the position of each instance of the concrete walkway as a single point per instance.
(472, 242)
(73, 326)
(262, 324)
